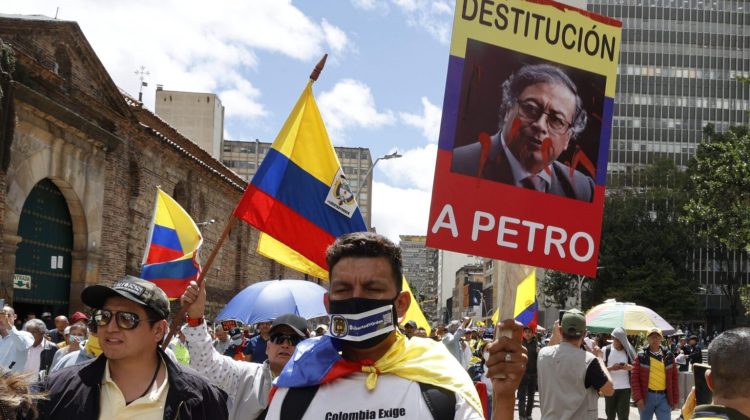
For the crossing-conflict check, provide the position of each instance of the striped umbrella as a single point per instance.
(634, 319)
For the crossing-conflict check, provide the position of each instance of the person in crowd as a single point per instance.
(79, 317)
(452, 335)
(378, 369)
(541, 113)
(222, 340)
(88, 349)
(727, 379)
(248, 384)
(570, 378)
(255, 351)
(421, 332)
(57, 334)
(618, 358)
(77, 334)
(133, 378)
(410, 328)
(64, 343)
(694, 353)
(681, 352)
(527, 388)
(236, 349)
(17, 401)
(49, 323)
(40, 354)
(653, 379)
(179, 346)
(14, 344)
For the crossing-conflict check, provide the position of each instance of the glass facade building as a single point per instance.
(680, 62)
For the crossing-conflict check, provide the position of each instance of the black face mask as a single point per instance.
(348, 324)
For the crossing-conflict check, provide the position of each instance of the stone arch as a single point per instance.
(77, 169)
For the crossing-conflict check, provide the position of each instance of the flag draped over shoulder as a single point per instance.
(526, 307)
(171, 257)
(299, 198)
(414, 313)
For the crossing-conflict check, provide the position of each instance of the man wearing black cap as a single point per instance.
(247, 383)
(570, 378)
(133, 378)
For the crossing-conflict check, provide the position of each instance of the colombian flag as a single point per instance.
(300, 199)
(171, 257)
(526, 307)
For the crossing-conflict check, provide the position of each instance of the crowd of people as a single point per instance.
(112, 363)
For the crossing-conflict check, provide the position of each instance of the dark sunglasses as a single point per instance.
(282, 338)
(124, 320)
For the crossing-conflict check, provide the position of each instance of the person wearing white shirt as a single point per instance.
(14, 344)
(618, 357)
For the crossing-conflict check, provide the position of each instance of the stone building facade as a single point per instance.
(67, 131)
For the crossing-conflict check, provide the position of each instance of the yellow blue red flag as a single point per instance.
(171, 257)
(300, 199)
(526, 307)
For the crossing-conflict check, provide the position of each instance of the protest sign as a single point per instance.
(524, 138)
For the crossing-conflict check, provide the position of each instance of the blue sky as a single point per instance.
(382, 87)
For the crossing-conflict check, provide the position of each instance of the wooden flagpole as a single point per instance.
(178, 319)
(511, 276)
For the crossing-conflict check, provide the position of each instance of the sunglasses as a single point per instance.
(282, 338)
(124, 320)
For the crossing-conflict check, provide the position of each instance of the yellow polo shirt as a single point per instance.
(657, 377)
(148, 407)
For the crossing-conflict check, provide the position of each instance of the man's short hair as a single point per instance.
(535, 74)
(727, 355)
(36, 325)
(366, 245)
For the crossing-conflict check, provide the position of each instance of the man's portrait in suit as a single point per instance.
(541, 117)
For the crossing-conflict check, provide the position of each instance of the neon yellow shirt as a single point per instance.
(657, 377)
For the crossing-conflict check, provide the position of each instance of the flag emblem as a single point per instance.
(340, 196)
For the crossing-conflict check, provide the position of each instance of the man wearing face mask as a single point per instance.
(238, 344)
(76, 334)
(379, 371)
(247, 383)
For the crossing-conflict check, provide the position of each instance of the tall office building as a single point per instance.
(679, 64)
(244, 157)
(197, 116)
(420, 266)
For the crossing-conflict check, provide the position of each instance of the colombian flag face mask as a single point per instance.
(362, 322)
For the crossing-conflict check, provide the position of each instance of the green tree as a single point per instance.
(718, 207)
(644, 250)
(557, 288)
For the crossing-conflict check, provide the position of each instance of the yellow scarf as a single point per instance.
(426, 361)
(92, 346)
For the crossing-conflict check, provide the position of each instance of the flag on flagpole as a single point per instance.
(300, 199)
(414, 313)
(526, 307)
(171, 256)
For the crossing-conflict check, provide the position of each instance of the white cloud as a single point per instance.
(428, 122)
(414, 170)
(350, 104)
(335, 37)
(435, 17)
(399, 211)
(189, 45)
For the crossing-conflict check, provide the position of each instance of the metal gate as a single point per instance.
(43, 258)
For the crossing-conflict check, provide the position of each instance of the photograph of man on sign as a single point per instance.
(541, 116)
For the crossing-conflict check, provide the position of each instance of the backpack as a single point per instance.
(441, 402)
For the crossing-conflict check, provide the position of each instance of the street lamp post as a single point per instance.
(394, 155)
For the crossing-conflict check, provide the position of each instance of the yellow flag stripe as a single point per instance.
(271, 248)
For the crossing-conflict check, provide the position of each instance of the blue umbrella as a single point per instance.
(267, 300)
